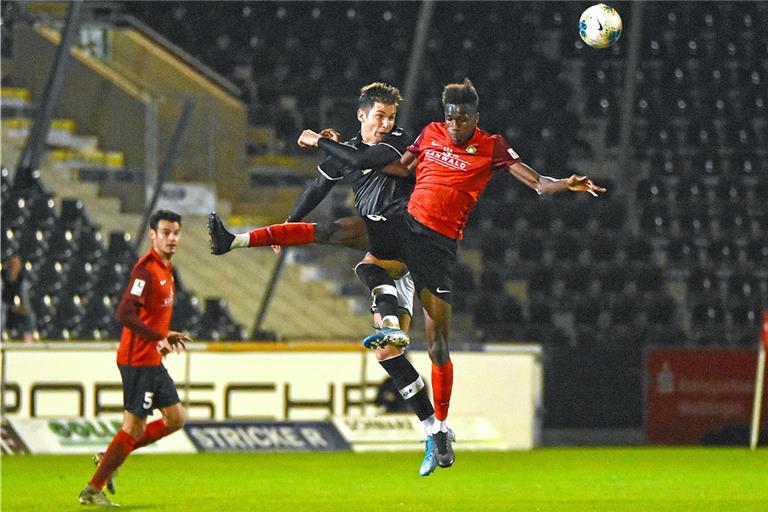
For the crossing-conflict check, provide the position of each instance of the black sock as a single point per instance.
(410, 385)
(382, 288)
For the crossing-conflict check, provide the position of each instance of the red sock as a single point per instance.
(117, 451)
(152, 432)
(442, 384)
(292, 233)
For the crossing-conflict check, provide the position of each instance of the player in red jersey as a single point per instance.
(145, 312)
(454, 162)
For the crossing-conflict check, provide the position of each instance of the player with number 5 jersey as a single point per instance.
(145, 312)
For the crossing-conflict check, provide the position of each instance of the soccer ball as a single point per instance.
(600, 26)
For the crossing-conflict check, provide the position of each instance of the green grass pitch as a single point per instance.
(572, 479)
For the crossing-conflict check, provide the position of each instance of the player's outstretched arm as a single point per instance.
(546, 185)
(363, 158)
(310, 198)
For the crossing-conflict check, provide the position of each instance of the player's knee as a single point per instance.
(176, 420)
(324, 232)
(373, 276)
(134, 431)
(388, 352)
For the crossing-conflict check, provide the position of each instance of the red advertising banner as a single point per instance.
(699, 395)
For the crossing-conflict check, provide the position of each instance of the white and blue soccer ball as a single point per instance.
(600, 26)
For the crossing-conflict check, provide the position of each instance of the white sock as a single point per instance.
(427, 424)
(439, 426)
(240, 241)
(391, 322)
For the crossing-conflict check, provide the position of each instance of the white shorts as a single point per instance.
(405, 290)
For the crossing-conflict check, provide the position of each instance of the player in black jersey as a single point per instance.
(358, 162)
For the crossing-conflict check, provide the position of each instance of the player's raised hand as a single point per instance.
(308, 139)
(578, 183)
(331, 134)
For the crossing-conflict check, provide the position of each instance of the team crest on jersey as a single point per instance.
(471, 149)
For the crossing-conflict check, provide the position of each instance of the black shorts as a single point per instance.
(429, 255)
(431, 258)
(385, 233)
(146, 388)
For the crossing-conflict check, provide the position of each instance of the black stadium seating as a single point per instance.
(687, 264)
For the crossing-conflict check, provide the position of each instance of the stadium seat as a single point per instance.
(112, 280)
(64, 243)
(121, 249)
(81, 278)
(217, 324)
(34, 245)
(51, 277)
(91, 247)
(44, 306)
(100, 316)
(43, 212)
(73, 214)
(70, 312)
(15, 213)
(187, 314)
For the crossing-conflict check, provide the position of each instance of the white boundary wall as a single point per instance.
(278, 382)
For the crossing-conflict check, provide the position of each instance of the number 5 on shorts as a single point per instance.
(148, 399)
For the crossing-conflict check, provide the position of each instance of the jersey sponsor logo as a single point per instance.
(446, 160)
(138, 287)
(512, 153)
(366, 171)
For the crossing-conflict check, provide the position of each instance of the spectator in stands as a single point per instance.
(18, 316)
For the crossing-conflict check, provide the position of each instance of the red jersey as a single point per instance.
(151, 287)
(450, 179)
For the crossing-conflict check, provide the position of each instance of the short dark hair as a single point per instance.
(163, 215)
(460, 94)
(378, 91)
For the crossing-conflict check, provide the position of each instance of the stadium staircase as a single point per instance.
(301, 309)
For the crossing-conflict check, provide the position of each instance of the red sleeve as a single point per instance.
(503, 154)
(134, 297)
(415, 147)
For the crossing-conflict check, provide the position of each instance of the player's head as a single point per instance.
(376, 110)
(165, 231)
(460, 102)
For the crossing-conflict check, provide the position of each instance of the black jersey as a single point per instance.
(374, 190)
